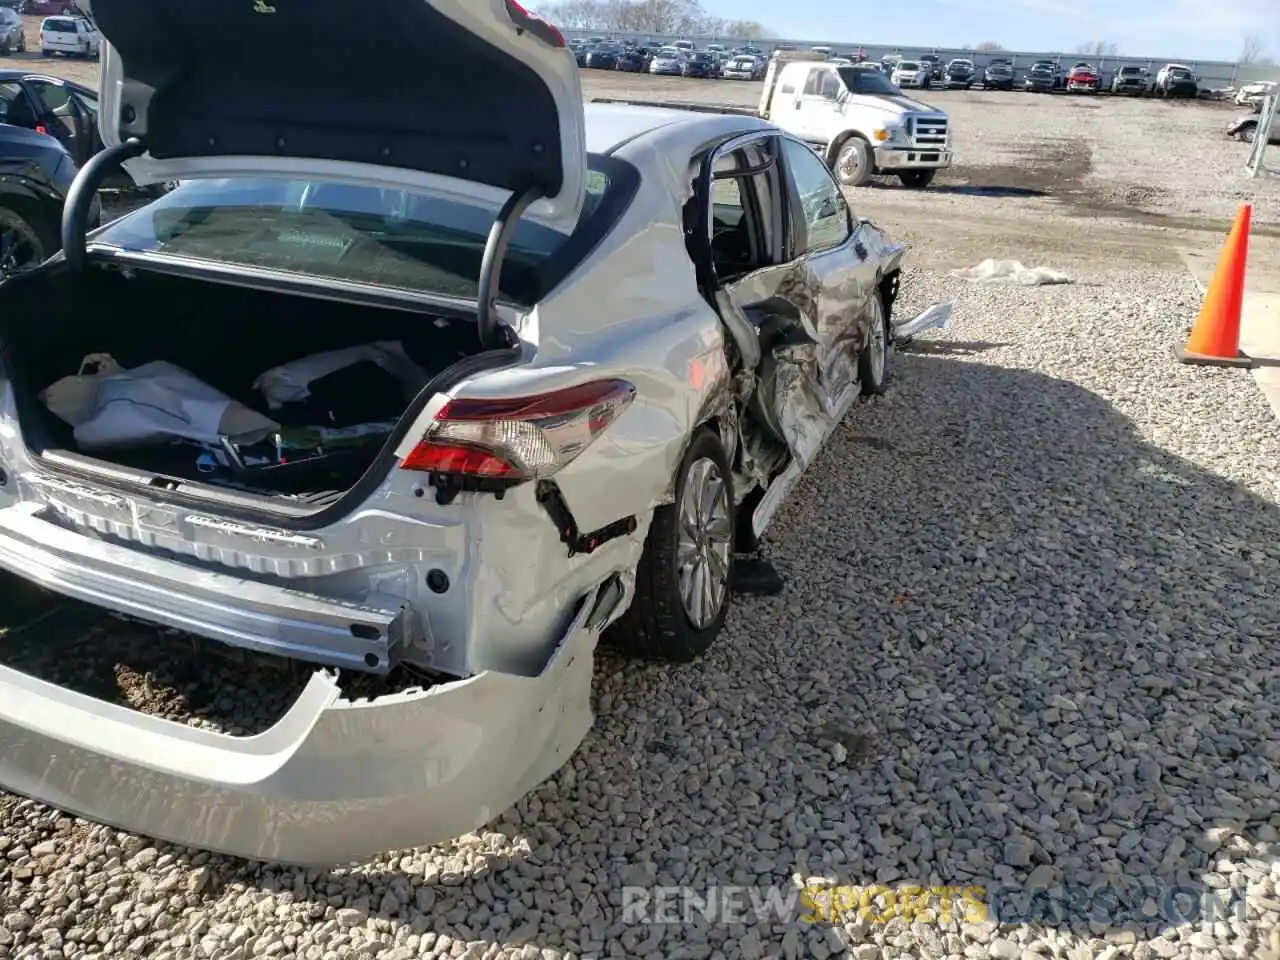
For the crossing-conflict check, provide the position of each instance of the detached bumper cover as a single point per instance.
(334, 781)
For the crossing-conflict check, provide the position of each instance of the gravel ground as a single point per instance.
(1028, 638)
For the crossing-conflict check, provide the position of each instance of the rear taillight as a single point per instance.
(522, 438)
(534, 24)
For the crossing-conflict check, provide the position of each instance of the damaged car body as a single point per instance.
(378, 394)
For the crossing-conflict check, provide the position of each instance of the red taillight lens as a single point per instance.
(41, 128)
(521, 438)
(531, 21)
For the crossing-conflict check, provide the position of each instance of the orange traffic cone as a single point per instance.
(1215, 339)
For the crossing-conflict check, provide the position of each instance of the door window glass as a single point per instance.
(54, 97)
(825, 212)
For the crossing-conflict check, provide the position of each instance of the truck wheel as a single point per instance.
(853, 162)
(873, 362)
(682, 583)
(917, 179)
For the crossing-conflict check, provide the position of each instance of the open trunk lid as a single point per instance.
(475, 99)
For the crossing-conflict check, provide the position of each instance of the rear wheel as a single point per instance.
(917, 179)
(854, 162)
(873, 363)
(1249, 134)
(26, 240)
(682, 583)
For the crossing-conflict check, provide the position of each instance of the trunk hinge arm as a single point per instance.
(492, 335)
(80, 197)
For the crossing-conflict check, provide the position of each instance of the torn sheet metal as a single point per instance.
(935, 317)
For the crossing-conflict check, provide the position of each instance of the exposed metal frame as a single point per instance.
(1262, 136)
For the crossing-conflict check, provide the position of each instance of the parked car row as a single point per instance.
(679, 59)
(69, 35)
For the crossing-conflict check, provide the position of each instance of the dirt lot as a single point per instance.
(1028, 637)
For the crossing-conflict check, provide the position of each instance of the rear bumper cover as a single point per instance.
(333, 781)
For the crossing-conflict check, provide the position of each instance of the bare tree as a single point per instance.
(989, 46)
(648, 16)
(1098, 48)
(1251, 47)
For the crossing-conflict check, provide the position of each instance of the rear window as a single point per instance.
(60, 26)
(386, 238)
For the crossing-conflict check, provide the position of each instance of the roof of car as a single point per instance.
(8, 75)
(612, 124)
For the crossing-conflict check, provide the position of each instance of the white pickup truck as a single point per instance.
(862, 124)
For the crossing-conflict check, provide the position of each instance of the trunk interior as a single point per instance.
(226, 337)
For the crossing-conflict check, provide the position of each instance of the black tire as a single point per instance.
(656, 626)
(29, 238)
(851, 176)
(917, 179)
(875, 377)
(1249, 134)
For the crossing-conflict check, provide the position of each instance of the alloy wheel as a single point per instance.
(705, 545)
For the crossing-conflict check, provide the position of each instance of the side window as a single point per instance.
(744, 216)
(11, 94)
(813, 83)
(15, 106)
(53, 97)
(824, 210)
(830, 85)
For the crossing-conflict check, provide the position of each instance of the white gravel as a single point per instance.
(1029, 636)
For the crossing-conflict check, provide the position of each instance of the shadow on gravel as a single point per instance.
(1067, 688)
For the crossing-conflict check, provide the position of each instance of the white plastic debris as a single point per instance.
(153, 403)
(936, 317)
(291, 382)
(1011, 272)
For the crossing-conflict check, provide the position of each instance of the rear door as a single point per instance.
(63, 116)
(791, 281)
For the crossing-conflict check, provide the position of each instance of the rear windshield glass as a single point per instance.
(60, 26)
(386, 238)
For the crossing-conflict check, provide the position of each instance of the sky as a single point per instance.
(1188, 29)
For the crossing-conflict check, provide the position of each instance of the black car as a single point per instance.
(603, 57)
(1041, 78)
(960, 74)
(998, 76)
(1177, 82)
(702, 64)
(934, 64)
(634, 60)
(35, 173)
(65, 111)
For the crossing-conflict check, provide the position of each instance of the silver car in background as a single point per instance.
(668, 62)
